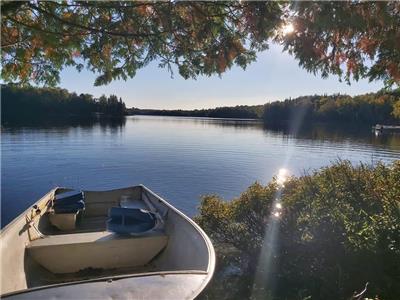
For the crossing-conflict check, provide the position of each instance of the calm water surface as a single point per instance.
(178, 158)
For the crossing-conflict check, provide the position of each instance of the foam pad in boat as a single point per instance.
(130, 220)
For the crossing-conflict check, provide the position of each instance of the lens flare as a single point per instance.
(287, 29)
(269, 254)
(282, 176)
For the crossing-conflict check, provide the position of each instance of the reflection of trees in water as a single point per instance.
(389, 139)
(251, 124)
(236, 123)
(336, 132)
(114, 124)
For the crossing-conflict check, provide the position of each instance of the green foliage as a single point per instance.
(339, 228)
(30, 103)
(240, 111)
(116, 38)
(241, 219)
(396, 109)
(382, 107)
(372, 108)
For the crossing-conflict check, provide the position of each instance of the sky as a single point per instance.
(274, 76)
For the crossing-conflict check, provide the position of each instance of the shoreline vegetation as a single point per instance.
(27, 104)
(382, 107)
(326, 235)
(231, 112)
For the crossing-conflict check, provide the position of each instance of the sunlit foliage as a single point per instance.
(372, 108)
(339, 228)
(382, 107)
(396, 109)
(116, 38)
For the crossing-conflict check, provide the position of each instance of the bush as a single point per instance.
(339, 228)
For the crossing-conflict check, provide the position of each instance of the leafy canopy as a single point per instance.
(116, 38)
(363, 37)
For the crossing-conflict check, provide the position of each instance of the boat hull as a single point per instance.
(180, 271)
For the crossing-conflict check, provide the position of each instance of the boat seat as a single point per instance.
(69, 203)
(66, 207)
(130, 220)
(69, 253)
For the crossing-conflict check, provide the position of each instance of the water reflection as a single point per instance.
(67, 123)
(207, 122)
(335, 132)
(180, 158)
(339, 132)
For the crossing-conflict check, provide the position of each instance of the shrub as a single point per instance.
(339, 229)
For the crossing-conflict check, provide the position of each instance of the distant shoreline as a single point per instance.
(229, 112)
(256, 120)
(27, 104)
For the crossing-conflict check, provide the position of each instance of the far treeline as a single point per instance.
(31, 103)
(240, 111)
(382, 107)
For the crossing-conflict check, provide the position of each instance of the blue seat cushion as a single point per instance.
(68, 203)
(130, 220)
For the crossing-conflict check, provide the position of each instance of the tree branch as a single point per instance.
(91, 29)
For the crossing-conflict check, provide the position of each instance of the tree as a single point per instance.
(116, 38)
(396, 109)
(372, 108)
(25, 104)
(340, 37)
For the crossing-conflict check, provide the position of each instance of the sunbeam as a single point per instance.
(263, 284)
(264, 279)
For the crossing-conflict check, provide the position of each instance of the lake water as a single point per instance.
(178, 158)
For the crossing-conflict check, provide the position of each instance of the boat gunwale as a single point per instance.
(210, 247)
(106, 278)
(26, 212)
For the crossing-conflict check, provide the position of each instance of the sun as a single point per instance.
(287, 28)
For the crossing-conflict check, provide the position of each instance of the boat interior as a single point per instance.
(70, 236)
